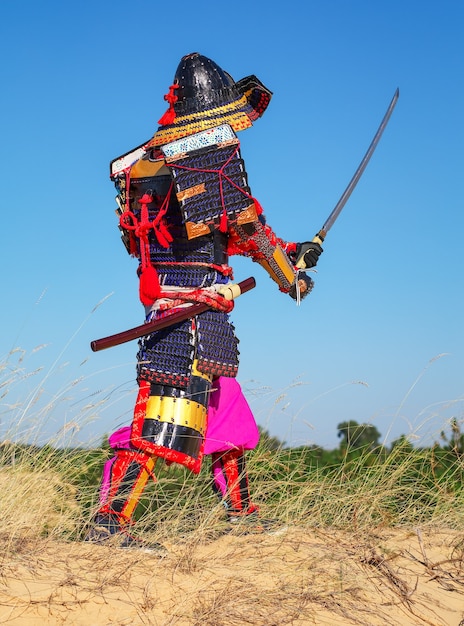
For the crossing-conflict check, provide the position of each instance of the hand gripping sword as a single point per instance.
(321, 235)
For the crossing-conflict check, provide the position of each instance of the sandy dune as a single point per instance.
(297, 576)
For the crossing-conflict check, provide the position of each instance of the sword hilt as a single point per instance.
(319, 238)
(229, 292)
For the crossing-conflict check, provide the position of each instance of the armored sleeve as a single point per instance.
(258, 241)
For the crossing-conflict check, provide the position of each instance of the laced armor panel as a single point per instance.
(211, 181)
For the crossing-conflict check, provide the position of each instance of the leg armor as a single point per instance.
(129, 473)
(170, 422)
(231, 482)
(119, 440)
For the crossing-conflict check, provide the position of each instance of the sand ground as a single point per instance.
(297, 576)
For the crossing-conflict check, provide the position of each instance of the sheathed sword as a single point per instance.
(228, 291)
(321, 235)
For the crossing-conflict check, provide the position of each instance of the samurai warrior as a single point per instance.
(185, 207)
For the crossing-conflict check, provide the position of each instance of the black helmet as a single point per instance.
(203, 95)
(202, 84)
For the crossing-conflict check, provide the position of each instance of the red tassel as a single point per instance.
(223, 222)
(163, 235)
(258, 207)
(149, 287)
(170, 115)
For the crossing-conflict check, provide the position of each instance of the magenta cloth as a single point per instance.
(120, 439)
(231, 423)
(106, 480)
(219, 478)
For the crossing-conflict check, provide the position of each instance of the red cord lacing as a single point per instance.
(222, 176)
(212, 298)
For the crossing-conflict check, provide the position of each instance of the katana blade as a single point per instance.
(357, 175)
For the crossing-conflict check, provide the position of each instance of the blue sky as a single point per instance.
(379, 340)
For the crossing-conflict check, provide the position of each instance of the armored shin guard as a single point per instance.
(129, 474)
(231, 482)
(170, 422)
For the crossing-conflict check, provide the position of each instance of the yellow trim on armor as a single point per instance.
(238, 120)
(269, 270)
(144, 167)
(177, 411)
(230, 107)
(196, 230)
(284, 264)
(196, 372)
(190, 192)
(137, 491)
(247, 215)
